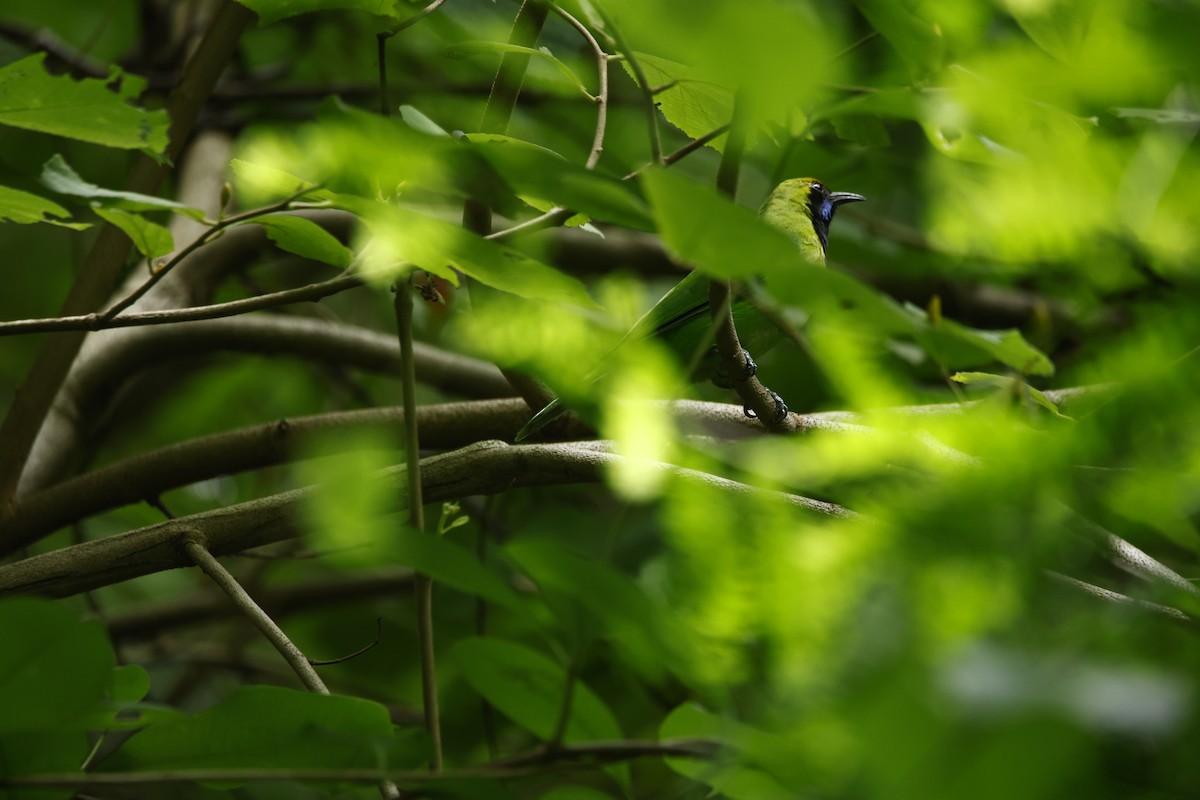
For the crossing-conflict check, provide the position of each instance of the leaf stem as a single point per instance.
(422, 584)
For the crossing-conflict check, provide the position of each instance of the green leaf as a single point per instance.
(268, 727)
(54, 669)
(956, 345)
(419, 122)
(25, 208)
(702, 228)
(528, 688)
(778, 53)
(642, 630)
(130, 683)
(861, 129)
(731, 779)
(404, 237)
(274, 10)
(151, 239)
(575, 793)
(536, 173)
(58, 176)
(266, 183)
(1011, 386)
(695, 106)
(90, 110)
(917, 40)
(305, 238)
(452, 565)
(474, 48)
(34, 752)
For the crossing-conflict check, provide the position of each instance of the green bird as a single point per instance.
(803, 208)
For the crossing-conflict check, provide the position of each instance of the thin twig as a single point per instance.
(343, 659)
(602, 91)
(413, 20)
(274, 634)
(160, 273)
(96, 322)
(423, 585)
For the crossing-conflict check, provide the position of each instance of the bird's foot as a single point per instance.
(749, 369)
(781, 409)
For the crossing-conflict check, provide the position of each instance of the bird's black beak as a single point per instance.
(845, 197)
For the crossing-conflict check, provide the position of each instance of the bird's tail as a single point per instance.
(553, 410)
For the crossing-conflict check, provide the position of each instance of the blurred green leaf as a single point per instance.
(732, 780)
(54, 669)
(916, 39)
(130, 683)
(269, 727)
(90, 110)
(452, 565)
(473, 48)
(528, 688)
(1011, 386)
(415, 119)
(44, 751)
(536, 172)
(274, 10)
(778, 53)
(404, 238)
(640, 630)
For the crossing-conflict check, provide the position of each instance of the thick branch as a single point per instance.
(149, 474)
(483, 468)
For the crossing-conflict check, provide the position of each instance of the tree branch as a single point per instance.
(279, 601)
(149, 474)
(483, 468)
(273, 633)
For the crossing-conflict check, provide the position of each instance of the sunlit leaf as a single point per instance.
(404, 238)
(90, 110)
(25, 208)
(151, 239)
(58, 176)
(694, 105)
(305, 238)
(1012, 386)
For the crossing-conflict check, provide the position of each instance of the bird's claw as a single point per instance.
(749, 370)
(781, 409)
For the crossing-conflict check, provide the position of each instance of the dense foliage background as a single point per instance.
(966, 570)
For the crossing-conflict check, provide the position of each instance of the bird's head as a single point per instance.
(804, 207)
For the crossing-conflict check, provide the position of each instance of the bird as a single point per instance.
(802, 208)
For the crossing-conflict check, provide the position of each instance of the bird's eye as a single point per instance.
(817, 187)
